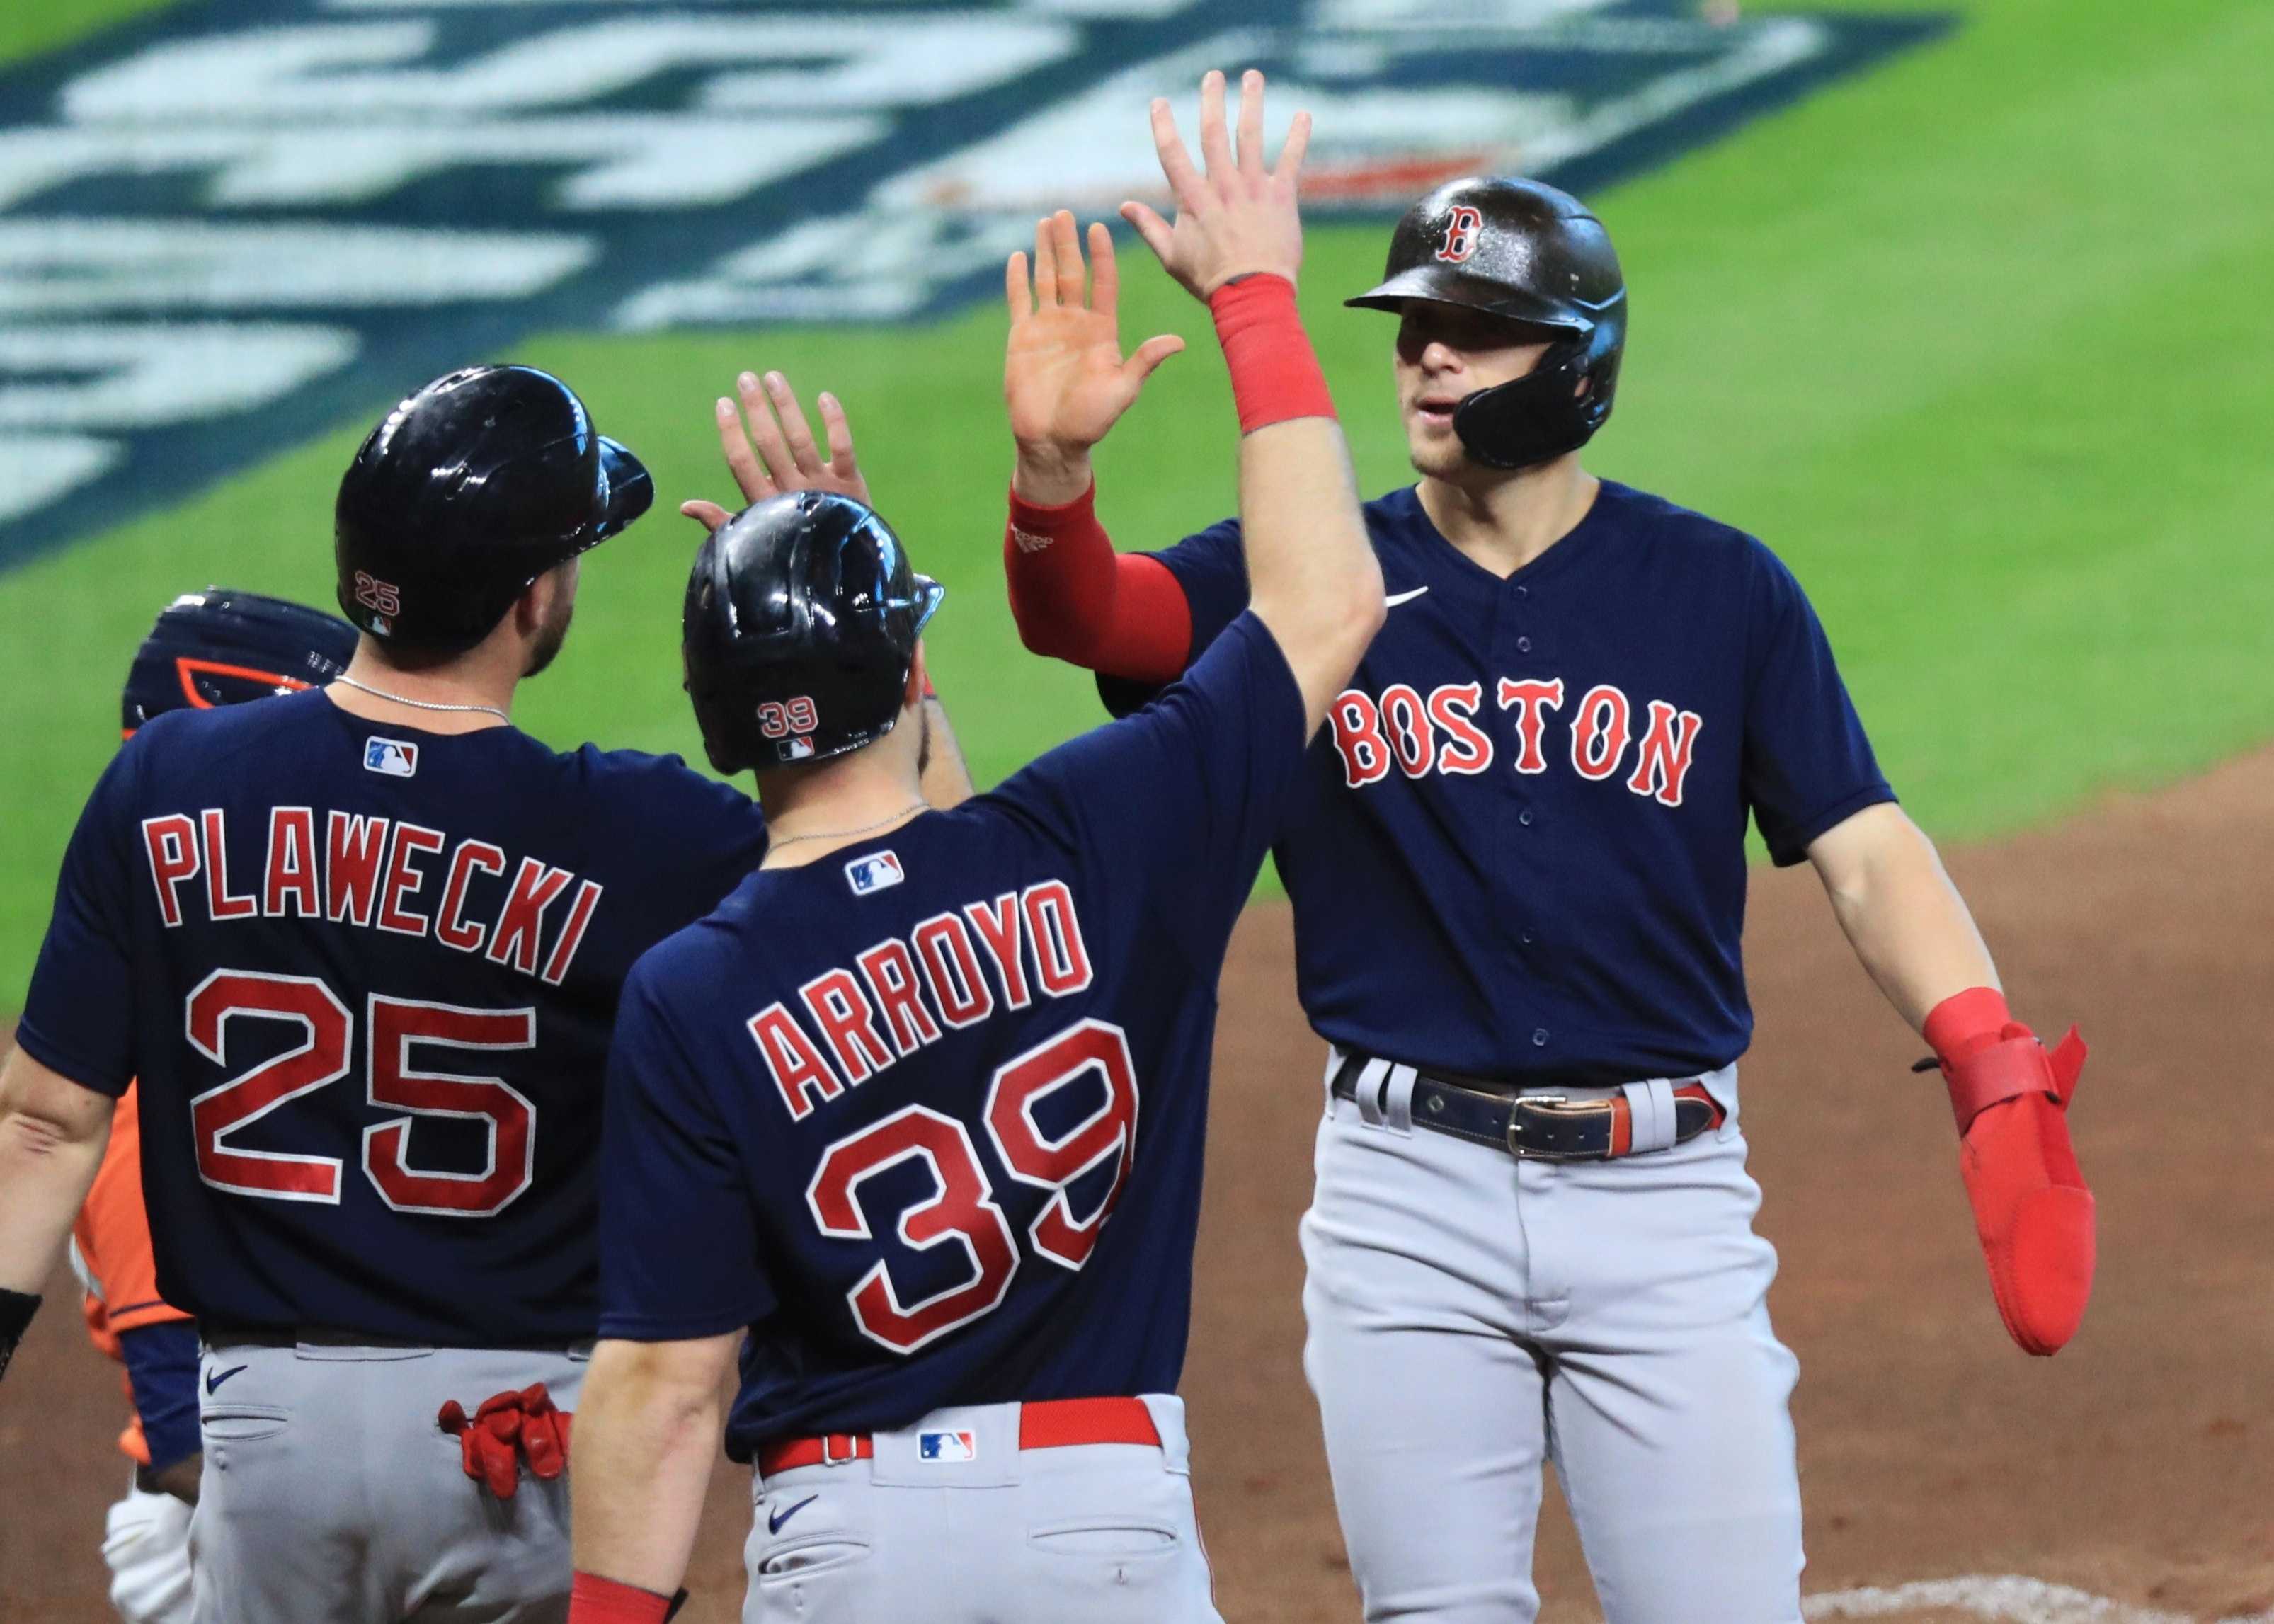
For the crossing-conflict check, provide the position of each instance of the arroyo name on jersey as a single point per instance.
(868, 1022)
(372, 871)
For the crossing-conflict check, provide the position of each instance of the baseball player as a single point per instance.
(211, 648)
(931, 1086)
(1518, 881)
(362, 948)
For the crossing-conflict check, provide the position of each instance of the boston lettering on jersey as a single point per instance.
(1523, 851)
(379, 873)
(1439, 734)
(868, 1022)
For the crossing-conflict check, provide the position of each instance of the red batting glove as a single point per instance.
(2033, 1211)
(509, 1428)
(544, 1433)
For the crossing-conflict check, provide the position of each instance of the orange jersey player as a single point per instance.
(146, 1542)
(207, 649)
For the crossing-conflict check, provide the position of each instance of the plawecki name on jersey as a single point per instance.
(1439, 734)
(376, 873)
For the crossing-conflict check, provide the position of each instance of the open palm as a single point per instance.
(1064, 379)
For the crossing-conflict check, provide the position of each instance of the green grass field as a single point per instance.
(1972, 341)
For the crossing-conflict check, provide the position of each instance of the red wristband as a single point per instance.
(1275, 373)
(595, 1600)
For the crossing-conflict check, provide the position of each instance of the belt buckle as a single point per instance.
(829, 1442)
(1552, 1105)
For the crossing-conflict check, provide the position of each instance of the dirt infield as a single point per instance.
(2139, 1465)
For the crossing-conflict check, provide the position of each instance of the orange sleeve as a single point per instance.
(113, 1236)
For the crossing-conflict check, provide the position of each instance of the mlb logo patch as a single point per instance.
(947, 1446)
(878, 871)
(797, 748)
(392, 756)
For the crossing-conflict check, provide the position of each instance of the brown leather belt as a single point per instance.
(1534, 1127)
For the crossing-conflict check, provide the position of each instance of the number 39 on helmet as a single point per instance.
(800, 629)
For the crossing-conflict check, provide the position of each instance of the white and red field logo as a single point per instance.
(224, 228)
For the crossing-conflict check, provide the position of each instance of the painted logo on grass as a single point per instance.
(240, 223)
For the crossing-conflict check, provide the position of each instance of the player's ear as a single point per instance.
(918, 684)
(534, 603)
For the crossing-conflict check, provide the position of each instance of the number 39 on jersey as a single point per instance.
(963, 1211)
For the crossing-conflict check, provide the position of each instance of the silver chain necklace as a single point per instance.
(829, 834)
(417, 704)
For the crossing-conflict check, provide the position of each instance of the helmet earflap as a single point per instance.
(1553, 409)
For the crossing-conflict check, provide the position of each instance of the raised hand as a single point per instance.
(1064, 379)
(1236, 217)
(773, 451)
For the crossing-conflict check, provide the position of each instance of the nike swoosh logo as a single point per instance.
(775, 1518)
(215, 1380)
(1396, 598)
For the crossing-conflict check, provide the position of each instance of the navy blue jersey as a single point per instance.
(366, 977)
(1523, 852)
(926, 1115)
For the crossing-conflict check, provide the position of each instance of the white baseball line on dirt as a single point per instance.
(2009, 1598)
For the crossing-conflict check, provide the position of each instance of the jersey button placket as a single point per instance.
(1522, 650)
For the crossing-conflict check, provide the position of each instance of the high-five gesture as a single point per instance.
(1237, 217)
(776, 452)
(1063, 376)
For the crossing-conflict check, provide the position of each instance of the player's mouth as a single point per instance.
(1436, 410)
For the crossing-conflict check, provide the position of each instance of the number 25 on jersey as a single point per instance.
(395, 1029)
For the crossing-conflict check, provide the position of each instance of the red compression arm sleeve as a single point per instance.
(1076, 599)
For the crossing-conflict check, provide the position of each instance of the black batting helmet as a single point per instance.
(801, 621)
(1526, 252)
(465, 493)
(220, 646)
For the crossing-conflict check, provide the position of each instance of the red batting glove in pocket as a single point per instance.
(544, 1433)
(2033, 1211)
(507, 1429)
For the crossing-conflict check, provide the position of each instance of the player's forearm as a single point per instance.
(1315, 581)
(647, 1430)
(52, 1132)
(1906, 920)
(1312, 576)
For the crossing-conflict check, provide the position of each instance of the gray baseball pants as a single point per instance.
(331, 1497)
(1473, 1318)
(1095, 1533)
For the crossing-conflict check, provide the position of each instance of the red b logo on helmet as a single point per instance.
(1463, 227)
